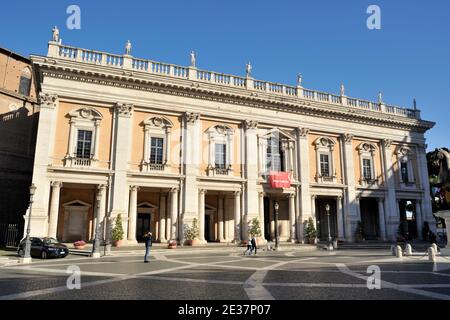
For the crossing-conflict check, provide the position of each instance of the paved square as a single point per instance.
(225, 274)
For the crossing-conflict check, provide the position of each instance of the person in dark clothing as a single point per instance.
(148, 244)
(253, 244)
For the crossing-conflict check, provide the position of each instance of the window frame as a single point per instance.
(159, 127)
(325, 146)
(220, 134)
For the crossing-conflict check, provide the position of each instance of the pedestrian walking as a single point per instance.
(253, 242)
(148, 244)
(249, 247)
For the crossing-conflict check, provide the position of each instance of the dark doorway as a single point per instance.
(408, 224)
(370, 218)
(143, 225)
(208, 228)
(322, 219)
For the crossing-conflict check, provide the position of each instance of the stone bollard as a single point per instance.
(399, 252)
(431, 254)
(408, 250)
(435, 247)
(393, 250)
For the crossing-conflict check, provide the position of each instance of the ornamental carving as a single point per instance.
(191, 117)
(124, 109)
(387, 143)
(303, 132)
(367, 147)
(250, 124)
(48, 100)
(347, 137)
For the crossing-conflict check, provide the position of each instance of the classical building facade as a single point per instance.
(18, 125)
(162, 144)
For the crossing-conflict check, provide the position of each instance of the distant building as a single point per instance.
(18, 126)
(163, 144)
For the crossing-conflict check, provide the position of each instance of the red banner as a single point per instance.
(279, 180)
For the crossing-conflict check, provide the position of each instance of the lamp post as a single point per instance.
(96, 246)
(276, 206)
(330, 244)
(27, 257)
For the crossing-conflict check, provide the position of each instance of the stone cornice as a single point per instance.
(101, 75)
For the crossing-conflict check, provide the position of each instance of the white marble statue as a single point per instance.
(299, 80)
(380, 97)
(248, 69)
(55, 32)
(342, 90)
(193, 59)
(128, 48)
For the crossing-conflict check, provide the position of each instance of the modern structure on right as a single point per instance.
(163, 144)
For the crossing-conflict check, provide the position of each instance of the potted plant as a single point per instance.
(117, 232)
(192, 232)
(310, 231)
(255, 231)
(80, 244)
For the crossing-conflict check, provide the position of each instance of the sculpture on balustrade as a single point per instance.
(415, 104)
(342, 90)
(248, 69)
(443, 157)
(299, 80)
(55, 32)
(193, 59)
(128, 48)
(380, 97)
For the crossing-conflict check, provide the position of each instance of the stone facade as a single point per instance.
(18, 125)
(162, 144)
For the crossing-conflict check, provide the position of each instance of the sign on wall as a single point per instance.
(279, 180)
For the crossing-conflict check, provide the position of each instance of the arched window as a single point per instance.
(326, 172)
(157, 131)
(220, 139)
(25, 82)
(84, 137)
(367, 153)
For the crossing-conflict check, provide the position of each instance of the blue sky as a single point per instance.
(327, 41)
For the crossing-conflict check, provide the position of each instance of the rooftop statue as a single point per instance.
(193, 59)
(248, 69)
(55, 34)
(342, 90)
(299, 80)
(128, 48)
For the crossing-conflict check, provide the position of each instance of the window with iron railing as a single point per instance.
(367, 169)
(325, 165)
(156, 151)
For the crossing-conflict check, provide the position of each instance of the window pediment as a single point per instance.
(324, 143)
(158, 122)
(367, 148)
(86, 113)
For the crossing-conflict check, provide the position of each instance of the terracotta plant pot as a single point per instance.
(193, 242)
(117, 243)
(79, 247)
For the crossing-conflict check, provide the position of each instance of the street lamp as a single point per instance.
(27, 257)
(277, 206)
(330, 244)
(96, 246)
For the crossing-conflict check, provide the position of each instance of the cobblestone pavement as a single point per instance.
(226, 274)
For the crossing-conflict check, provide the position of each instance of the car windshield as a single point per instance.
(50, 241)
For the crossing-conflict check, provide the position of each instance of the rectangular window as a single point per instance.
(273, 155)
(84, 144)
(221, 155)
(404, 172)
(156, 150)
(324, 165)
(367, 169)
(25, 86)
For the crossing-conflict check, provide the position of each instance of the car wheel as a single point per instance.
(21, 253)
(44, 255)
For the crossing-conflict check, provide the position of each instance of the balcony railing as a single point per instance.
(57, 50)
(82, 162)
(156, 166)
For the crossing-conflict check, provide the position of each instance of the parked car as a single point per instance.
(44, 248)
